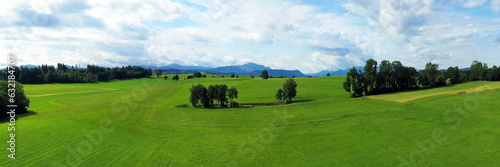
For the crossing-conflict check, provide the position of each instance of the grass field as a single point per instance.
(134, 123)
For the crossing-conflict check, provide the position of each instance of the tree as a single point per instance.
(232, 76)
(211, 94)
(354, 83)
(198, 95)
(384, 76)
(176, 77)
(232, 93)
(289, 90)
(453, 73)
(327, 74)
(347, 85)
(478, 71)
(158, 73)
(197, 75)
(264, 74)
(370, 75)
(279, 95)
(430, 76)
(165, 77)
(495, 73)
(20, 98)
(221, 94)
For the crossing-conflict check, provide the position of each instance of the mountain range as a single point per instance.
(245, 69)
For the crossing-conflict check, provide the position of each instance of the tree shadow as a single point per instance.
(303, 101)
(18, 116)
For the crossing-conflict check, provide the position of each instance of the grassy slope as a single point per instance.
(447, 90)
(136, 124)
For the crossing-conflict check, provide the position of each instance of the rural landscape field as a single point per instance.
(252, 83)
(135, 123)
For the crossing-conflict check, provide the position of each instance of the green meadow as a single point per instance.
(135, 123)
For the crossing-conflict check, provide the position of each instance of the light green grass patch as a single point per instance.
(446, 90)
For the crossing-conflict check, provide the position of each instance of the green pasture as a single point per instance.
(135, 123)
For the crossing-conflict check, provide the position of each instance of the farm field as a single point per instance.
(135, 123)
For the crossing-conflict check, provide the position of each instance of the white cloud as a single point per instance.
(495, 6)
(280, 34)
(469, 3)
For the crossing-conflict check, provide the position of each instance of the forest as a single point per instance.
(63, 74)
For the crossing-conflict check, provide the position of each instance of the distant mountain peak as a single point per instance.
(249, 67)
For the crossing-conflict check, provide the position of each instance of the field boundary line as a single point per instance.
(59, 104)
(50, 94)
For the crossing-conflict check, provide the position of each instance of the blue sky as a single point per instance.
(310, 36)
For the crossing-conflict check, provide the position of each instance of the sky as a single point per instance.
(305, 35)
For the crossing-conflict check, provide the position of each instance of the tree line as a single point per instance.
(394, 76)
(63, 74)
(213, 96)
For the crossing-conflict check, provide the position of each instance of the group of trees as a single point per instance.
(214, 95)
(288, 92)
(63, 74)
(196, 75)
(393, 76)
(176, 77)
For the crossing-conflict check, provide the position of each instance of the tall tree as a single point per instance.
(198, 95)
(221, 94)
(264, 74)
(279, 95)
(453, 73)
(478, 70)
(397, 73)
(211, 94)
(355, 83)
(232, 93)
(370, 75)
(430, 76)
(289, 90)
(384, 77)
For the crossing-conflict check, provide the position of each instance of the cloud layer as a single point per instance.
(280, 34)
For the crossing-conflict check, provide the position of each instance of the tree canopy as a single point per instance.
(20, 98)
(288, 92)
(264, 74)
(158, 73)
(214, 95)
